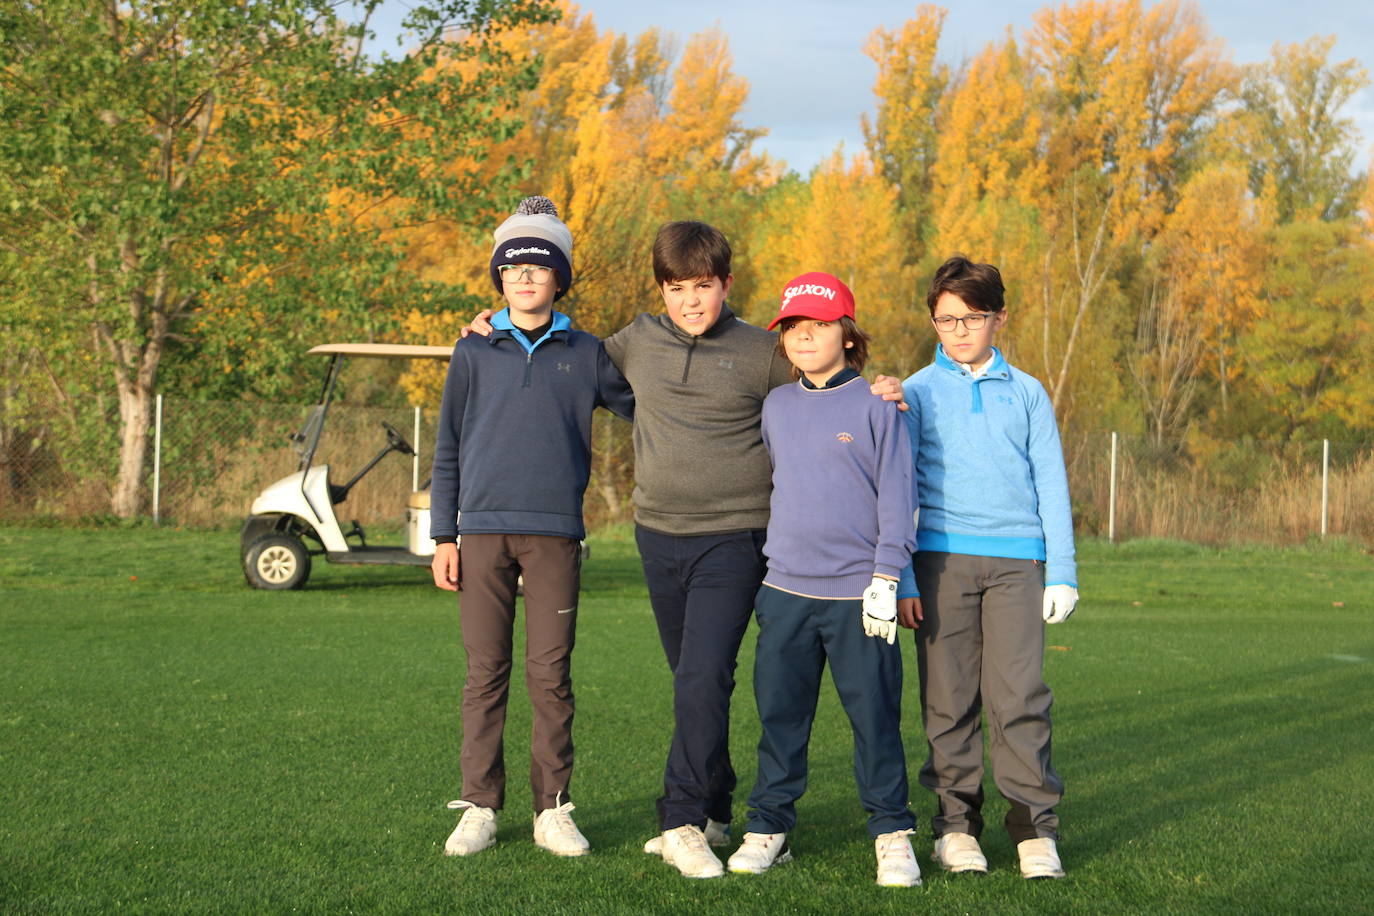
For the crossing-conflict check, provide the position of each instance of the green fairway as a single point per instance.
(173, 740)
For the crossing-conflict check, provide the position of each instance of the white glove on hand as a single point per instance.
(880, 609)
(1060, 601)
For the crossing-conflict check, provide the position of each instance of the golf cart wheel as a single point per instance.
(276, 562)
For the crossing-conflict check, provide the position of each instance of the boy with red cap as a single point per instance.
(839, 534)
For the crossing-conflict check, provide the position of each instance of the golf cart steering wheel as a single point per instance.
(396, 440)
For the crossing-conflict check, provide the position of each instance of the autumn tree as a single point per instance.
(1206, 277)
(1304, 362)
(1291, 132)
(168, 164)
(902, 138)
(844, 220)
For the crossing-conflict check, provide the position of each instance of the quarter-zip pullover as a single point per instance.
(700, 464)
(513, 448)
(990, 479)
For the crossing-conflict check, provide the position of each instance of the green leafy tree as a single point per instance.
(225, 176)
(1292, 135)
(1305, 364)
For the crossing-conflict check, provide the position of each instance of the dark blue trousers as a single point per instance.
(797, 635)
(702, 590)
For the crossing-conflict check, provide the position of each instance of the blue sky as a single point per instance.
(810, 80)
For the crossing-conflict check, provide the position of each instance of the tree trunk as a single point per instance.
(135, 416)
(136, 386)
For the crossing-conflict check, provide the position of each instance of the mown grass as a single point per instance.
(173, 740)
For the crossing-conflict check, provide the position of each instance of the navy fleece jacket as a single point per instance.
(513, 449)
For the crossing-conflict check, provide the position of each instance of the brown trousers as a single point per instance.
(491, 565)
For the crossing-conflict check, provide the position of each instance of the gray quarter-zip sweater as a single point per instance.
(700, 463)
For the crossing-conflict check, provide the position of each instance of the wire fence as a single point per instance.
(211, 458)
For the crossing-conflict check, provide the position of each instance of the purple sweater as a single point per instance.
(841, 508)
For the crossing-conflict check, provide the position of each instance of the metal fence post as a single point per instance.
(157, 463)
(1326, 481)
(1111, 496)
(415, 461)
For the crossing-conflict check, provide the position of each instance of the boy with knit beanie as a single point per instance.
(512, 458)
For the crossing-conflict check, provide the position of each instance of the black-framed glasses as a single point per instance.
(525, 273)
(973, 321)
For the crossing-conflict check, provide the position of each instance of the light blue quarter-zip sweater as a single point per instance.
(989, 469)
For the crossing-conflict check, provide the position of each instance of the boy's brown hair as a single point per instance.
(855, 357)
(688, 249)
(979, 285)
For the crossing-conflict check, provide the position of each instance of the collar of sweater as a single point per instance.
(500, 322)
(847, 374)
(722, 322)
(998, 368)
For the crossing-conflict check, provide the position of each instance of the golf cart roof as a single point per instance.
(389, 351)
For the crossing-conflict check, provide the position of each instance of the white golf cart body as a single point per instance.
(299, 508)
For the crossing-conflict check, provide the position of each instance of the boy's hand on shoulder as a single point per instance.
(447, 567)
(1060, 600)
(889, 389)
(481, 324)
(909, 612)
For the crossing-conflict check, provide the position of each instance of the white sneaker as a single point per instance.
(760, 852)
(476, 830)
(555, 831)
(717, 834)
(896, 862)
(1039, 858)
(960, 852)
(685, 848)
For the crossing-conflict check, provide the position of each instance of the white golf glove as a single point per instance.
(1059, 603)
(880, 609)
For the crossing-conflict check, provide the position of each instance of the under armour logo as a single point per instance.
(1004, 399)
(565, 367)
(727, 364)
(844, 437)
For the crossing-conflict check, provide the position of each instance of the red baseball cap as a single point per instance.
(817, 295)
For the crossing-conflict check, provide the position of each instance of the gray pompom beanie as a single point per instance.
(534, 235)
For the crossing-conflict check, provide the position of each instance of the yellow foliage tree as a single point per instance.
(845, 221)
(902, 138)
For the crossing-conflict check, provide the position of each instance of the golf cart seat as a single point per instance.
(419, 499)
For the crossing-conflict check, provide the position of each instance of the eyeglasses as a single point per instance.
(525, 273)
(973, 321)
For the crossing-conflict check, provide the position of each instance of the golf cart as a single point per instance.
(294, 519)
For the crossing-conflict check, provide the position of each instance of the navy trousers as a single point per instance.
(797, 635)
(702, 590)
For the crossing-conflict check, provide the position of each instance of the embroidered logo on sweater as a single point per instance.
(844, 437)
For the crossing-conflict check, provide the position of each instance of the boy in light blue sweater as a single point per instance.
(994, 563)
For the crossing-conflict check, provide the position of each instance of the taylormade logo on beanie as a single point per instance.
(534, 235)
(817, 295)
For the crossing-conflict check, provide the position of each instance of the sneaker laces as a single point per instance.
(470, 827)
(761, 840)
(561, 813)
(891, 846)
(695, 841)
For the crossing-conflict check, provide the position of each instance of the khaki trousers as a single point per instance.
(491, 565)
(981, 647)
